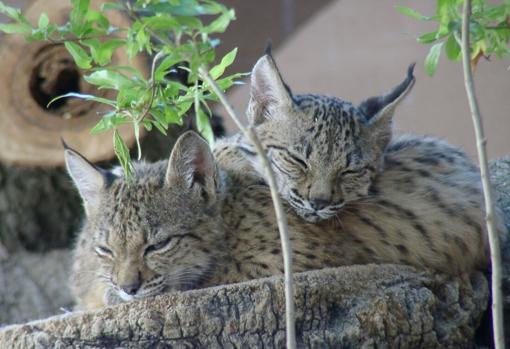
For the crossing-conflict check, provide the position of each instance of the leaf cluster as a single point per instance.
(178, 34)
(489, 30)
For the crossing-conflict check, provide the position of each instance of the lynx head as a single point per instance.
(325, 152)
(157, 232)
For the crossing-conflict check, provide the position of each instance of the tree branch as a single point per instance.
(280, 213)
(153, 86)
(497, 305)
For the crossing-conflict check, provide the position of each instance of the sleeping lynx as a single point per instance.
(327, 154)
(191, 222)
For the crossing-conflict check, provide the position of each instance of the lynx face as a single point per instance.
(325, 152)
(155, 234)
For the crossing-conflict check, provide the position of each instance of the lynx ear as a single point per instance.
(268, 90)
(191, 163)
(89, 179)
(378, 111)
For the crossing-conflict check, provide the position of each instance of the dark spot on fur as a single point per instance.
(402, 249)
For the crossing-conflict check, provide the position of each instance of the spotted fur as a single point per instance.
(326, 152)
(329, 155)
(195, 222)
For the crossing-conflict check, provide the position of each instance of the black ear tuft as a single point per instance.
(64, 144)
(410, 70)
(374, 105)
(268, 49)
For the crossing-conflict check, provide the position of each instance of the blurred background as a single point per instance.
(345, 48)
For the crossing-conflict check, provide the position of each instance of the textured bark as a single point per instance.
(360, 306)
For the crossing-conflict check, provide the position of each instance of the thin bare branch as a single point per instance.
(497, 304)
(153, 87)
(281, 218)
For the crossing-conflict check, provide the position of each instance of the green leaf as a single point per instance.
(452, 48)
(131, 70)
(171, 116)
(109, 79)
(204, 126)
(108, 6)
(85, 97)
(77, 16)
(411, 13)
(189, 23)
(159, 126)
(98, 19)
(221, 23)
(161, 22)
(37, 35)
(43, 20)
(230, 80)
(184, 8)
(184, 106)
(102, 51)
(81, 57)
(143, 40)
(226, 61)
(433, 58)
(80, 9)
(159, 120)
(427, 38)
(15, 28)
(147, 124)
(109, 121)
(130, 98)
(13, 13)
(122, 152)
(165, 65)
(447, 11)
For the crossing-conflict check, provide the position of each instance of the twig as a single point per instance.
(497, 305)
(280, 213)
(134, 17)
(63, 41)
(153, 86)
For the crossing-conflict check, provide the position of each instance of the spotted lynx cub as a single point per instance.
(193, 222)
(327, 154)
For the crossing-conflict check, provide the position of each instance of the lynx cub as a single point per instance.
(332, 159)
(327, 154)
(191, 222)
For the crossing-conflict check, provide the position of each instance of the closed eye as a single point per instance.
(298, 160)
(358, 172)
(158, 246)
(104, 251)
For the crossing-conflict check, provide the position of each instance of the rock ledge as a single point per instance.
(358, 306)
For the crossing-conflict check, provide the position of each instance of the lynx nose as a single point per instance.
(319, 204)
(131, 288)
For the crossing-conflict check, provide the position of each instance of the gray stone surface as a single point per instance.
(500, 178)
(351, 307)
(34, 286)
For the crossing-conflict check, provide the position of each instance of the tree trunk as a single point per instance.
(350, 307)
